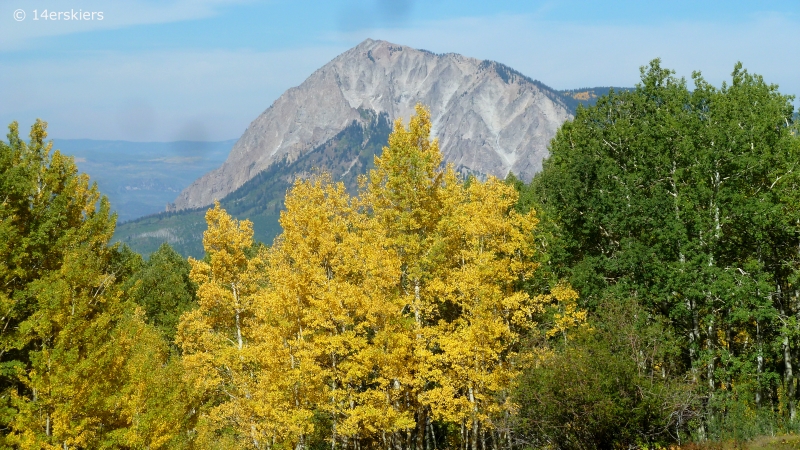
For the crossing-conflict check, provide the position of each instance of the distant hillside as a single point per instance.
(585, 96)
(140, 178)
(350, 153)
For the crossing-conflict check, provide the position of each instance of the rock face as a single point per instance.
(490, 119)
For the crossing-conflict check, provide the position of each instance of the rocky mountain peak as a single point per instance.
(489, 118)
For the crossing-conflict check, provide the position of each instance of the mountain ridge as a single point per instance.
(490, 119)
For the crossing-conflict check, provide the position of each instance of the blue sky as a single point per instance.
(204, 69)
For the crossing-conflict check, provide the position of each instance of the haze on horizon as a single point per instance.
(203, 70)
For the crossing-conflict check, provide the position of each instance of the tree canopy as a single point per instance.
(374, 317)
(641, 291)
(72, 350)
(686, 200)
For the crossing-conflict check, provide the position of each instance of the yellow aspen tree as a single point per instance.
(219, 359)
(154, 400)
(378, 314)
(463, 253)
(488, 252)
(331, 279)
(404, 194)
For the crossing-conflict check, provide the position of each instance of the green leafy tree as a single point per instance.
(162, 287)
(51, 222)
(614, 384)
(73, 353)
(685, 201)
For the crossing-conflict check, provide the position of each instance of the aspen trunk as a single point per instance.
(333, 400)
(463, 435)
(254, 436)
(235, 292)
(759, 363)
(789, 378)
(474, 433)
(788, 372)
(422, 421)
(333, 435)
(710, 345)
(710, 366)
(431, 436)
(694, 343)
(508, 431)
(694, 338)
(396, 434)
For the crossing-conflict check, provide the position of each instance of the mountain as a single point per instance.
(489, 118)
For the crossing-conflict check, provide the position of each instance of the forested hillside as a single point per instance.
(640, 292)
(349, 154)
(585, 96)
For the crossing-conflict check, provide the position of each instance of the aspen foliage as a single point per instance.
(375, 315)
(463, 253)
(568, 315)
(332, 295)
(221, 359)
